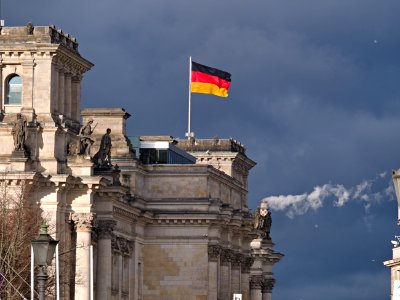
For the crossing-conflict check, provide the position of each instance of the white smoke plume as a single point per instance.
(339, 195)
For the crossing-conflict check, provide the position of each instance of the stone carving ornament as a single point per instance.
(227, 256)
(256, 281)
(105, 228)
(213, 252)
(267, 285)
(237, 260)
(82, 221)
(121, 245)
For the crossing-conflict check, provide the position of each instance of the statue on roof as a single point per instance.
(85, 137)
(104, 155)
(29, 28)
(263, 220)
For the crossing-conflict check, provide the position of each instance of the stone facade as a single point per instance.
(158, 231)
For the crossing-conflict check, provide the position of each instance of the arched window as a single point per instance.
(14, 90)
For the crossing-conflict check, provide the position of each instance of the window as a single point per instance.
(14, 90)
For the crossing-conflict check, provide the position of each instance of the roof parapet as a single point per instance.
(37, 34)
(214, 144)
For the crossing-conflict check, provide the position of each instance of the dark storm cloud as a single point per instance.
(314, 98)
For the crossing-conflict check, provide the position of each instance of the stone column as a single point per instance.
(266, 288)
(76, 98)
(213, 259)
(225, 274)
(236, 274)
(67, 95)
(245, 278)
(256, 282)
(61, 92)
(104, 256)
(83, 228)
(54, 88)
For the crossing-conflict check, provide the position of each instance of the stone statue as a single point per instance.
(85, 138)
(19, 131)
(263, 220)
(103, 157)
(29, 28)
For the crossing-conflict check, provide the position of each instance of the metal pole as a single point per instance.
(189, 133)
(57, 274)
(91, 272)
(42, 279)
(32, 273)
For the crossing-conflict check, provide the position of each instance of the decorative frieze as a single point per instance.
(124, 213)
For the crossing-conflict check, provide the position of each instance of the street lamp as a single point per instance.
(43, 249)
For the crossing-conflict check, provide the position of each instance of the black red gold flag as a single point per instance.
(207, 80)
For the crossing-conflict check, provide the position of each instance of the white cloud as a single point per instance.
(337, 193)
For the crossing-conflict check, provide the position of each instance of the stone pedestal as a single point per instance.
(19, 160)
(79, 165)
(112, 174)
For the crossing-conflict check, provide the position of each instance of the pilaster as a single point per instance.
(214, 252)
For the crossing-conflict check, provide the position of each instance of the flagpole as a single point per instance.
(189, 133)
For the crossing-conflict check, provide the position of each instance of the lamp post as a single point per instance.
(43, 249)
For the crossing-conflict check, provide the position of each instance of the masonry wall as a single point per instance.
(175, 270)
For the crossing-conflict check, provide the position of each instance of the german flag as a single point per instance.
(207, 80)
